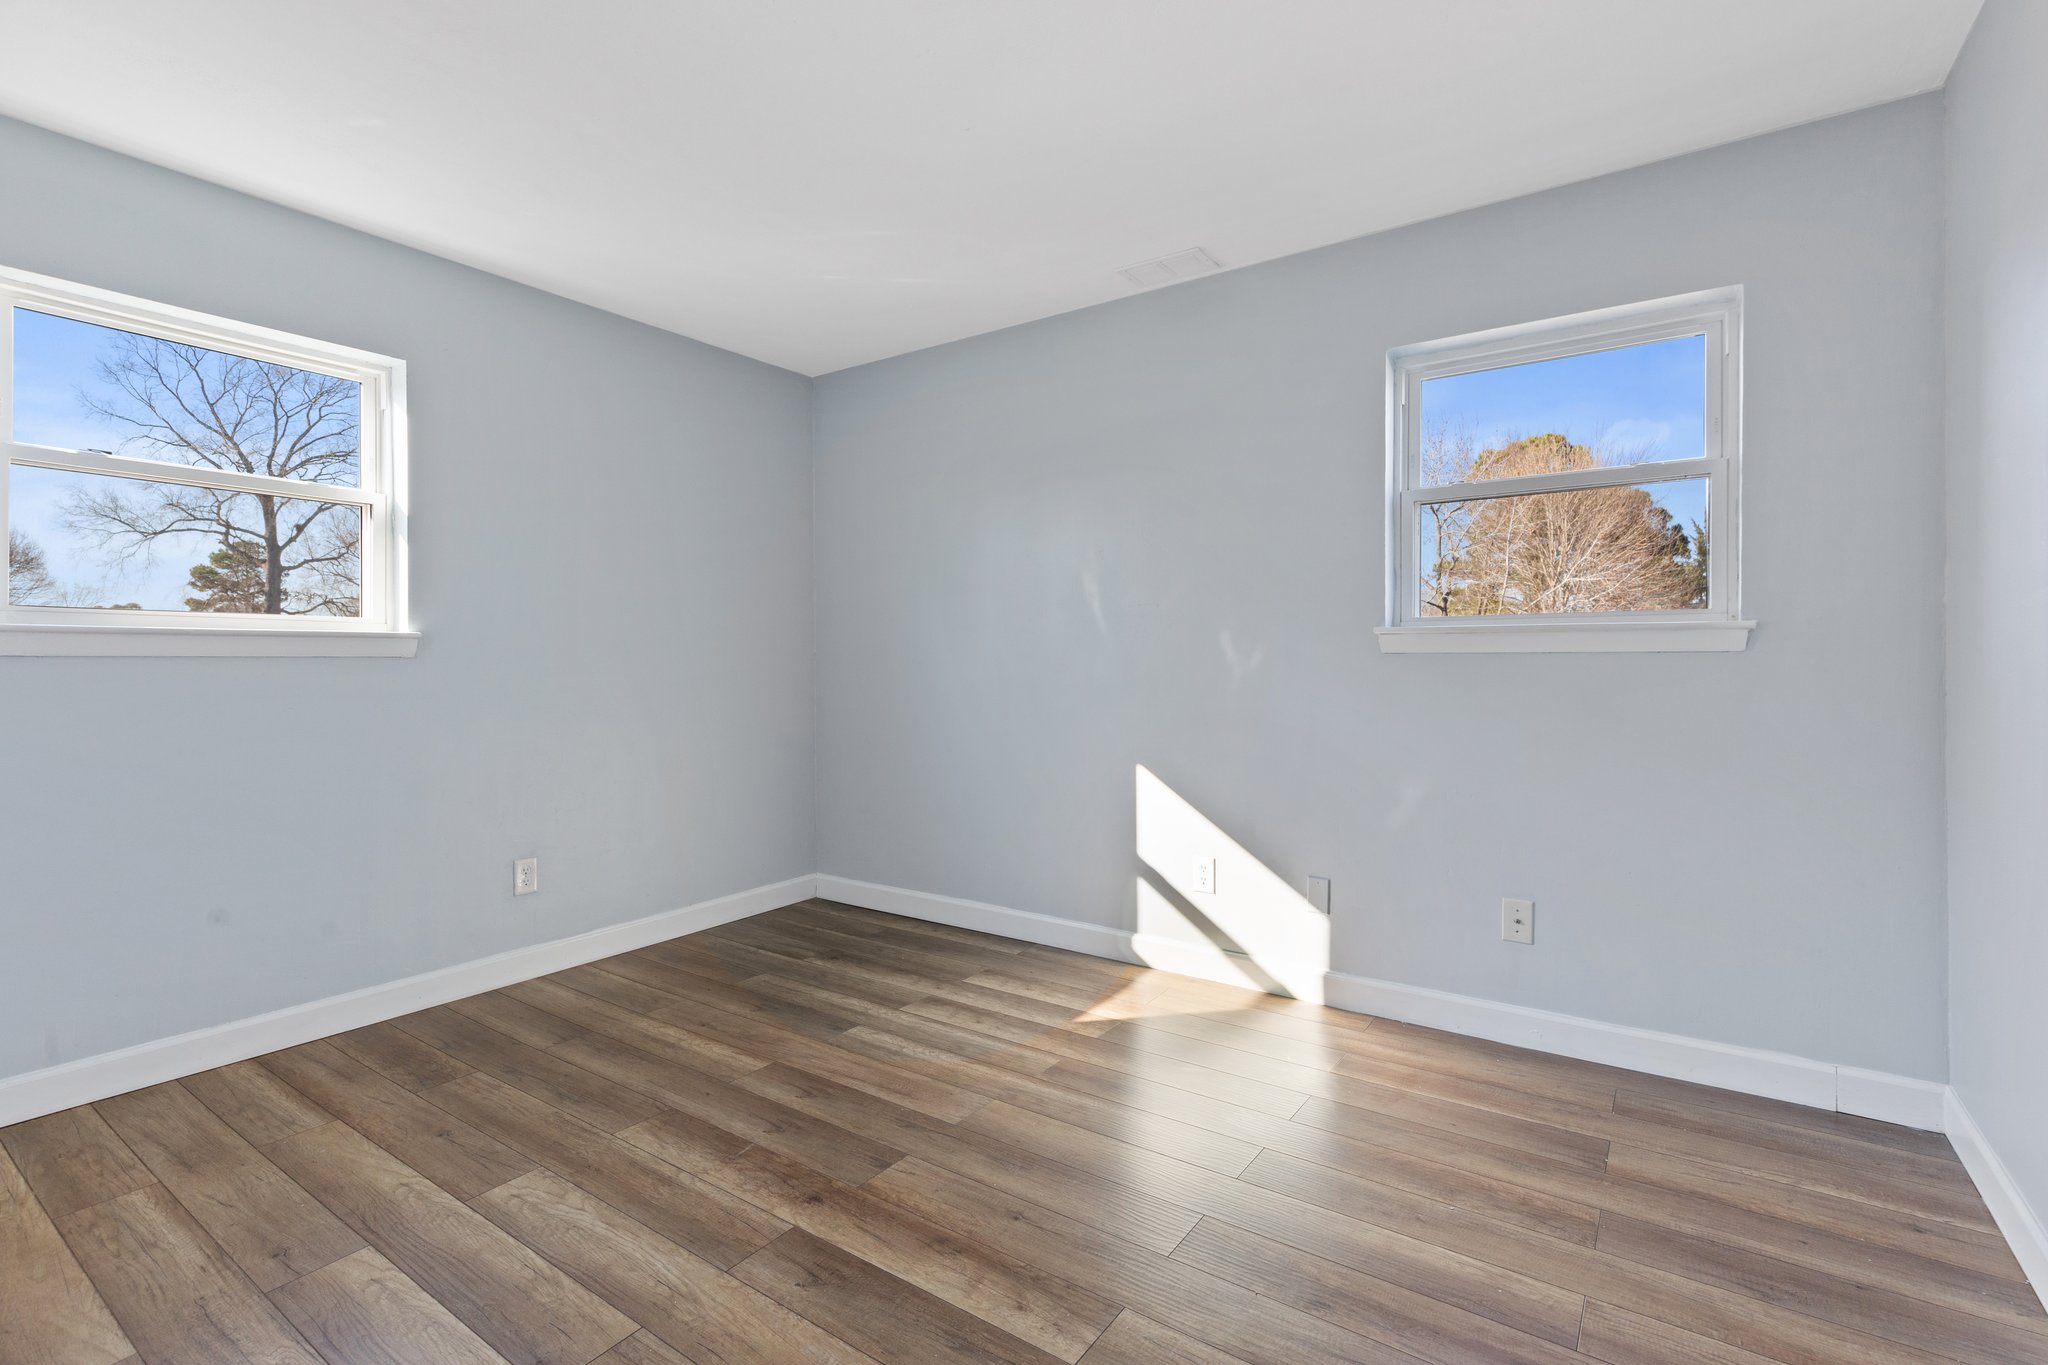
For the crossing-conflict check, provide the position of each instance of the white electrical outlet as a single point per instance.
(1319, 893)
(526, 876)
(1518, 921)
(1205, 876)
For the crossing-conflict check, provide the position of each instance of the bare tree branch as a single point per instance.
(1582, 550)
(193, 406)
(29, 580)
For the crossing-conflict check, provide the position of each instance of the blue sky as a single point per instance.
(55, 358)
(1632, 403)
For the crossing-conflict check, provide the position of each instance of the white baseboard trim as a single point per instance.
(1894, 1099)
(35, 1093)
(2015, 1217)
(1049, 930)
(1753, 1071)
(1177, 955)
(1210, 963)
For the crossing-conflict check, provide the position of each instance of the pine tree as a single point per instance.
(232, 579)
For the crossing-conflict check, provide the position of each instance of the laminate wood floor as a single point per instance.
(827, 1135)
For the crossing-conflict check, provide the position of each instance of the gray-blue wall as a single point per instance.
(1151, 533)
(611, 571)
(1998, 583)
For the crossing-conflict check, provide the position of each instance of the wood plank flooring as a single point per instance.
(829, 1136)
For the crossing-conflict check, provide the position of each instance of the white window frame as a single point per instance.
(384, 628)
(1716, 314)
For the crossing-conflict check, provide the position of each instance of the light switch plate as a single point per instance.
(1319, 893)
(1518, 921)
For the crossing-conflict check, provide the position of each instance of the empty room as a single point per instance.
(1055, 682)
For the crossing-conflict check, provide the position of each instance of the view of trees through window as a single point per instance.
(1639, 545)
(1618, 548)
(86, 540)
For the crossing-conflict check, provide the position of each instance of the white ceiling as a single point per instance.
(821, 183)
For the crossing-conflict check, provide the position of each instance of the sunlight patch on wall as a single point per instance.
(1246, 926)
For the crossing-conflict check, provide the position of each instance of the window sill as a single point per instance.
(204, 642)
(1568, 637)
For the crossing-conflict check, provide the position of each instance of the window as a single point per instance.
(1569, 485)
(180, 484)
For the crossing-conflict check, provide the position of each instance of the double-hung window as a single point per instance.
(175, 483)
(1569, 485)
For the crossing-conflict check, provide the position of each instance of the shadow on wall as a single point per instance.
(1206, 907)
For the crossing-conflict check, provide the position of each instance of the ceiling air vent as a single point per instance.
(1181, 265)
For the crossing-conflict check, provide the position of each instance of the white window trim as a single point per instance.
(1719, 627)
(383, 631)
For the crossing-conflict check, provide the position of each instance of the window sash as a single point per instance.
(379, 491)
(191, 475)
(1714, 315)
(1566, 480)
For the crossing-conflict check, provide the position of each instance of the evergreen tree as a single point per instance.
(233, 578)
(1696, 567)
